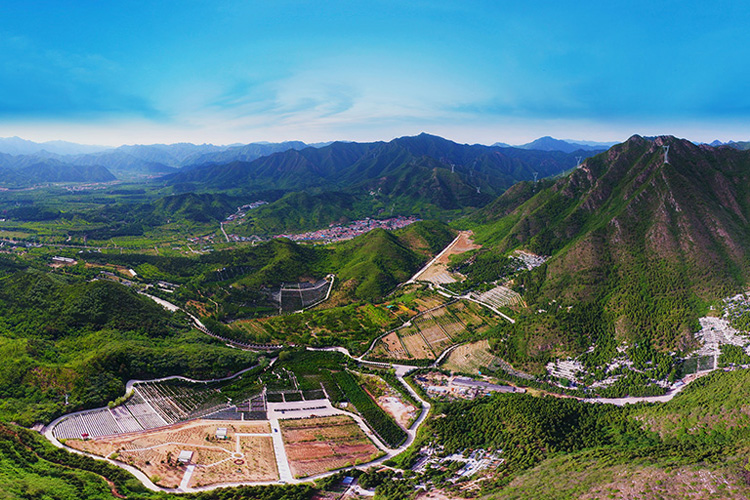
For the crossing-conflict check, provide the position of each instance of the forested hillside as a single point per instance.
(85, 339)
(638, 246)
(423, 175)
(684, 448)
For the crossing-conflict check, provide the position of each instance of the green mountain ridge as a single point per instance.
(345, 164)
(646, 244)
(425, 175)
(31, 171)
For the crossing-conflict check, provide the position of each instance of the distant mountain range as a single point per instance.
(148, 160)
(258, 166)
(741, 145)
(124, 162)
(130, 162)
(17, 146)
(423, 175)
(346, 164)
(548, 143)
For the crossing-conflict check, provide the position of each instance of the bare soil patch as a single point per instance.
(389, 399)
(316, 445)
(438, 272)
(259, 464)
(155, 452)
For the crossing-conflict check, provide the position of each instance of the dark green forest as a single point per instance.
(65, 336)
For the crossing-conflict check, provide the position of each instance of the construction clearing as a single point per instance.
(247, 455)
(436, 272)
(389, 399)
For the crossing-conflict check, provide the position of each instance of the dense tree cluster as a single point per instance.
(379, 421)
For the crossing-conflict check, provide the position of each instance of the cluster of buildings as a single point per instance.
(474, 462)
(209, 238)
(253, 238)
(439, 385)
(89, 187)
(242, 211)
(529, 260)
(336, 232)
(737, 306)
(166, 286)
(117, 279)
(58, 261)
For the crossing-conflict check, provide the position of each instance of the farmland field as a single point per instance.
(316, 445)
(247, 454)
(390, 347)
(415, 344)
(474, 316)
(448, 321)
(433, 332)
(425, 303)
(471, 358)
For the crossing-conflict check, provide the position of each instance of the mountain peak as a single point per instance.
(678, 230)
(548, 143)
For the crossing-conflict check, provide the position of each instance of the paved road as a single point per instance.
(650, 399)
(401, 371)
(166, 305)
(130, 383)
(186, 478)
(282, 462)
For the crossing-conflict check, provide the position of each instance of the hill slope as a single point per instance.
(645, 243)
(21, 171)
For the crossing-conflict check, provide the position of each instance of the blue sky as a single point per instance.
(111, 72)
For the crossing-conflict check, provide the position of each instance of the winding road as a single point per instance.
(289, 410)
